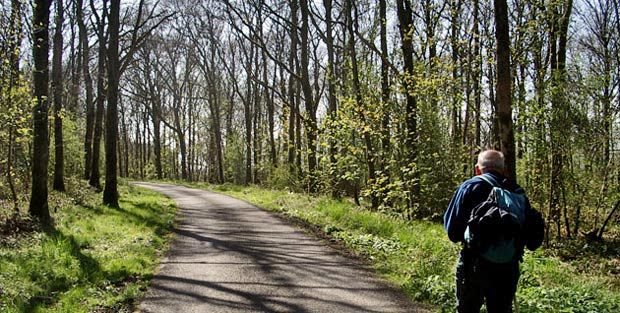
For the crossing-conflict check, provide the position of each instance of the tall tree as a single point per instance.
(13, 48)
(293, 90)
(473, 79)
(154, 94)
(476, 73)
(559, 19)
(75, 60)
(40, 142)
(138, 34)
(504, 93)
(386, 145)
(267, 90)
(95, 175)
(405, 27)
(538, 55)
(247, 113)
(58, 88)
(310, 122)
(455, 8)
(361, 106)
(332, 107)
(88, 86)
(110, 193)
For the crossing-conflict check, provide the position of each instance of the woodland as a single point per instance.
(384, 102)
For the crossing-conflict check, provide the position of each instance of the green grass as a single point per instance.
(96, 258)
(418, 257)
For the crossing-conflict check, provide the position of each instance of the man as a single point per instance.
(477, 278)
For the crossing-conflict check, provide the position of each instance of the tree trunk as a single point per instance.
(191, 130)
(40, 150)
(361, 106)
(124, 144)
(14, 47)
(156, 119)
(504, 94)
(140, 141)
(247, 112)
(559, 41)
(292, 140)
(88, 86)
(332, 106)
(215, 106)
(256, 124)
(386, 144)
(599, 233)
(75, 66)
(616, 46)
(494, 136)
(477, 72)
(472, 140)
(270, 116)
(455, 8)
(220, 154)
(310, 120)
(267, 95)
(405, 20)
(110, 193)
(57, 88)
(95, 175)
(178, 129)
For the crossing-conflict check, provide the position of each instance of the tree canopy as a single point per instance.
(387, 102)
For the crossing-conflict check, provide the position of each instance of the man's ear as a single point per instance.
(477, 170)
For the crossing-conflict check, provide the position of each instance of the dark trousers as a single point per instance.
(478, 280)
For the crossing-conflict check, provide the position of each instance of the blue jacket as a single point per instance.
(473, 192)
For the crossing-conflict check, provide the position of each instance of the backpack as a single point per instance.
(495, 226)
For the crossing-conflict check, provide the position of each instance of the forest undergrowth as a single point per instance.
(564, 276)
(81, 264)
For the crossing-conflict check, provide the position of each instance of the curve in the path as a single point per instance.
(230, 256)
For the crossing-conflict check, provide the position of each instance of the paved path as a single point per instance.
(230, 256)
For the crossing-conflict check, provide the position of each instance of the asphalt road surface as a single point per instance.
(230, 256)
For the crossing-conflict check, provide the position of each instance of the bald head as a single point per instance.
(490, 160)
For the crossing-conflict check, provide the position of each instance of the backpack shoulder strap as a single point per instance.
(489, 179)
(512, 201)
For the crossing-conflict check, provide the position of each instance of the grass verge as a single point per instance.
(418, 257)
(96, 259)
